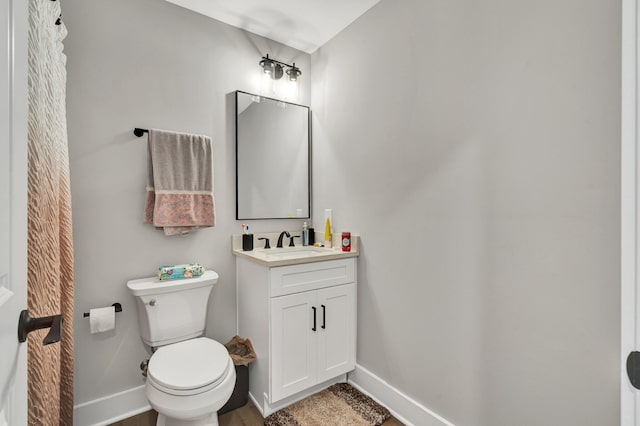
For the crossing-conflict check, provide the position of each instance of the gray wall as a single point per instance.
(475, 146)
(148, 63)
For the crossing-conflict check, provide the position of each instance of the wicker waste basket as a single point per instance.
(242, 353)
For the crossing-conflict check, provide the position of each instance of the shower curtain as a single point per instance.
(49, 245)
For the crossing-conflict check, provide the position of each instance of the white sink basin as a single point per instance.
(294, 252)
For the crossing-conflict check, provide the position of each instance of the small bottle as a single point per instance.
(346, 241)
(328, 237)
(312, 235)
(305, 234)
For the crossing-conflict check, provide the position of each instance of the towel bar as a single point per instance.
(139, 132)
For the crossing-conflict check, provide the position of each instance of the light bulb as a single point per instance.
(291, 90)
(266, 84)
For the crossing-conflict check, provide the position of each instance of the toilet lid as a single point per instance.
(190, 364)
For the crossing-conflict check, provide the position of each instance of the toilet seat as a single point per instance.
(189, 367)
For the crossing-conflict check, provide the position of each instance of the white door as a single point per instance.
(336, 331)
(630, 214)
(294, 324)
(13, 209)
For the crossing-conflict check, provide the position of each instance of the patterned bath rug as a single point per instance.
(339, 405)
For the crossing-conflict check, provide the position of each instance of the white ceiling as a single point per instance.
(301, 24)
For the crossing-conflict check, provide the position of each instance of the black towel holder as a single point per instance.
(116, 305)
(139, 132)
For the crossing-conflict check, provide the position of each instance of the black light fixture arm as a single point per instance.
(279, 62)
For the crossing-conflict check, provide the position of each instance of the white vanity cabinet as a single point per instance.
(302, 321)
(312, 338)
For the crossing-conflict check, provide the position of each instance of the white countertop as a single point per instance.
(291, 255)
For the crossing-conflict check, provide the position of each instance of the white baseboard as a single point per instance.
(402, 407)
(112, 408)
(119, 406)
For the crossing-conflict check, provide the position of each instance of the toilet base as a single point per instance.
(211, 420)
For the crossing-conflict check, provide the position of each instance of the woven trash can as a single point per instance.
(242, 353)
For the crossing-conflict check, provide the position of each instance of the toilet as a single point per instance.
(189, 377)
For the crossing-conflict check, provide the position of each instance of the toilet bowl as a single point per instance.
(189, 381)
(189, 377)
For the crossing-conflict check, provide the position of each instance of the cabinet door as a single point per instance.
(293, 344)
(336, 331)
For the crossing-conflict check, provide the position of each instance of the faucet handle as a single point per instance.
(266, 242)
(291, 240)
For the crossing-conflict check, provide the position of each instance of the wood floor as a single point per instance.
(243, 416)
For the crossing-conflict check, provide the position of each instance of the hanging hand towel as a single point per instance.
(179, 182)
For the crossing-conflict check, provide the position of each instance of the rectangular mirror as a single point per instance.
(273, 146)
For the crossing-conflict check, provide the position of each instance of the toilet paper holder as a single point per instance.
(116, 305)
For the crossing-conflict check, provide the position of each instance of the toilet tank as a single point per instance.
(172, 311)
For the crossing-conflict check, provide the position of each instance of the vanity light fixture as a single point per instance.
(275, 69)
(272, 71)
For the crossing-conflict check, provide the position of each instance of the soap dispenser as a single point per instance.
(305, 234)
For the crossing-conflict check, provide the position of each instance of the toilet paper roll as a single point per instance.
(102, 319)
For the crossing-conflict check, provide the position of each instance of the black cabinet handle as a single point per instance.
(314, 318)
(324, 316)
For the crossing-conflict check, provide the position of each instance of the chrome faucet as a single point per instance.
(282, 234)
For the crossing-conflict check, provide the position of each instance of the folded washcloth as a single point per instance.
(179, 182)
